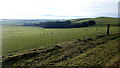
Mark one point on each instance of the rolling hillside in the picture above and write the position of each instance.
(88, 46)
(99, 20)
(101, 50)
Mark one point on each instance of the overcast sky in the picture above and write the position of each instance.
(51, 9)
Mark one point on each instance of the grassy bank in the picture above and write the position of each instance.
(100, 50)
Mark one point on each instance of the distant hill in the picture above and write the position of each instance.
(25, 21)
(76, 23)
(99, 20)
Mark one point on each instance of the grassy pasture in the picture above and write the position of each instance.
(21, 38)
(100, 50)
(88, 46)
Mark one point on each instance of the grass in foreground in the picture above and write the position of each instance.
(101, 50)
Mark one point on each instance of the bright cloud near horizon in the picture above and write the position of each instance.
(53, 9)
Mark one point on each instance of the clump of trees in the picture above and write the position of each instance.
(56, 24)
(66, 24)
(62, 24)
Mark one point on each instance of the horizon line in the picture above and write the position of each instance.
(64, 17)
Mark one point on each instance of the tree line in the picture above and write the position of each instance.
(63, 24)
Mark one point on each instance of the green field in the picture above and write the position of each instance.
(21, 38)
(100, 50)
(30, 36)
(35, 46)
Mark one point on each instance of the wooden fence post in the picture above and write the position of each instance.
(108, 29)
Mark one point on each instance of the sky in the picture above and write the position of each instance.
(57, 9)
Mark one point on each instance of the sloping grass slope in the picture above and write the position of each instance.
(91, 51)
